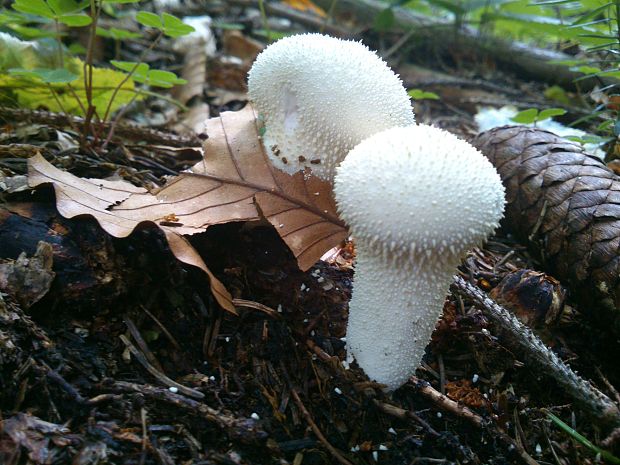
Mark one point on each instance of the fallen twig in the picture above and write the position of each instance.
(191, 406)
(453, 407)
(162, 378)
(600, 407)
(315, 429)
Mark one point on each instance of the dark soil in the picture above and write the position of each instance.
(266, 386)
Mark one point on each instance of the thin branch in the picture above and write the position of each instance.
(600, 407)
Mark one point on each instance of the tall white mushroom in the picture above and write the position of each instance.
(416, 199)
(319, 97)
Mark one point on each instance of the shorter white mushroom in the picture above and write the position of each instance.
(416, 199)
(319, 97)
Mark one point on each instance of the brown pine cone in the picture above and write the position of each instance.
(565, 204)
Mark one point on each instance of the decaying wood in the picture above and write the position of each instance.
(521, 339)
(565, 204)
(528, 60)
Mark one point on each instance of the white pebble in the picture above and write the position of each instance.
(337, 391)
(375, 455)
(475, 378)
(255, 416)
(392, 430)
(383, 447)
(439, 415)
(538, 449)
(302, 287)
(173, 389)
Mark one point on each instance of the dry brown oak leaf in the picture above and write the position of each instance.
(565, 204)
(234, 182)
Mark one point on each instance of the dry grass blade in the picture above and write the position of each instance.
(234, 182)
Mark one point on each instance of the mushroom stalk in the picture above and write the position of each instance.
(387, 332)
(416, 200)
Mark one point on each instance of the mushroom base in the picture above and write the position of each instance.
(388, 331)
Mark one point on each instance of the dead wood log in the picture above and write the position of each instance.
(88, 271)
(565, 204)
(528, 60)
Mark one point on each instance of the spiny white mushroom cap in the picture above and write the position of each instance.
(319, 97)
(419, 193)
(416, 199)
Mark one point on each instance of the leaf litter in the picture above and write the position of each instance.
(234, 182)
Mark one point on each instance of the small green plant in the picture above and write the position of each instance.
(419, 94)
(534, 115)
(72, 85)
(603, 454)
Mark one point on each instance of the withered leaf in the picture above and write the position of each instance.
(300, 207)
(234, 182)
(76, 196)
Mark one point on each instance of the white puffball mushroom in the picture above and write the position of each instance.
(319, 97)
(416, 200)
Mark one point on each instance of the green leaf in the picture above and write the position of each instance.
(557, 94)
(549, 113)
(567, 62)
(49, 76)
(38, 94)
(139, 70)
(18, 53)
(174, 27)
(151, 77)
(384, 21)
(77, 49)
(64, 7)
(65, 11)
(526, 116)
(120, 1)
(149, 19)
(586, 69)
(117, 34)
(75, 20)
(8, 17)
(34, 7)
(32, 32)
(419, 94)
(605, 126)
(165, 79)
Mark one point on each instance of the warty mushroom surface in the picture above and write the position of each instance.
(319, 97)
(416, 199)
